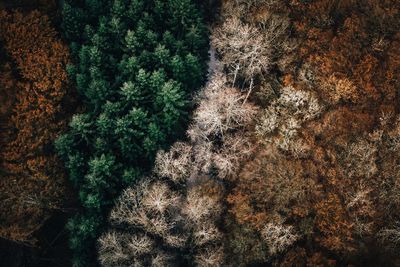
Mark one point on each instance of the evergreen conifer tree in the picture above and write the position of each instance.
(136, 64)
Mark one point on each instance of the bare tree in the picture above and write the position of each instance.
(174, 164)
(278, 237)
(205, 233)
(154, 219)
(159, 197)
(200, 207)
(221, 112)
(111, 252)
(128, 208)
(360, 159)
(161, 259)
(210, 257)
(281, 121)
(203, 154)
(242, 47)
(147, 206)
(140, 244)
(288, 111)
(222, 109)
(257, 3)
(235, 149)
(248, 49)
(362, 209)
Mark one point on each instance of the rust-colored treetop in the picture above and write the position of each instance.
(322, 187)
(33, 180)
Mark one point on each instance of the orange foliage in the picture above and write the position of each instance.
(7, 83)
(33, 181)
(339, 124)
(331, 221)
(354, 48)
(271, 187)
(348, 54)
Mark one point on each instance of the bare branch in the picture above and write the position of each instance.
(278, 237)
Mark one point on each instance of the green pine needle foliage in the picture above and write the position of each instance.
(137, 64)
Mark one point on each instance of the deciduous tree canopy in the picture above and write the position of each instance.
(33, 180)
(290, 157)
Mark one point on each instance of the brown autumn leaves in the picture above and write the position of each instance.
(325, 171)
(293, 150)
(33, 84)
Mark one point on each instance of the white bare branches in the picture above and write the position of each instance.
(174, 164)
(159, 198)
(199, 207)
(233, 151)
(140, 244)
(222, 112)
(203, 155)
(256, 3)
(220, 118)
(221, 109)
(145, 211)
(210, 257)
(111, 252)
(282, 119)
(149, 206)
(278, 237)
(152, 212)
(251, 49)
(360, 159)
(161, 259)
(206, 233)
(288, 111)
(202, 210)
(128, 209)
(243, 47)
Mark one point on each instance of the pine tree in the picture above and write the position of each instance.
(136, 65)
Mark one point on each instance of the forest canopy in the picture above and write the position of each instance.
(136, 66)
(34, 89)
(200, 133)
